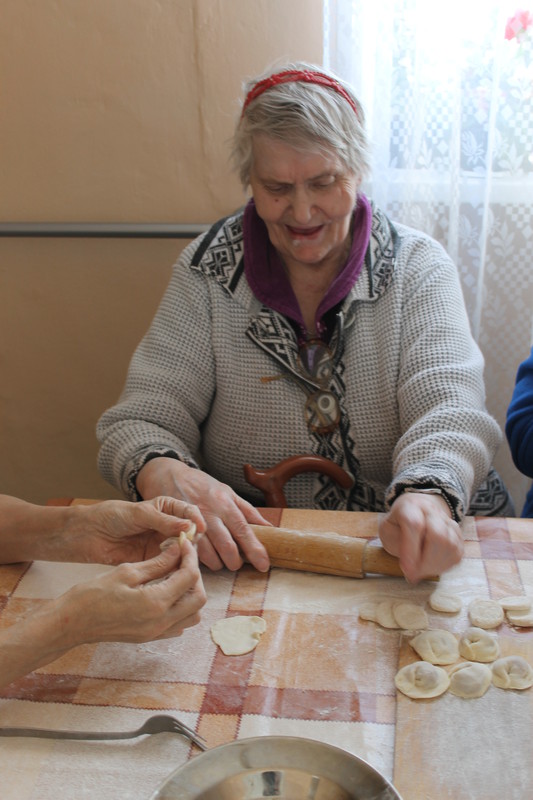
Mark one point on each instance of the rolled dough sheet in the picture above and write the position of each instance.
(238, 635)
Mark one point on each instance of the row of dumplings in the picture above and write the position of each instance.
(471, 678)
(468, 679)
(483, 613)
(439, 648)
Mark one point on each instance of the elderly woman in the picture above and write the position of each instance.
(309, 323)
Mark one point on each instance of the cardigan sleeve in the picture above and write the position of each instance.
(519, 424)
(168, 388)
(448, 438)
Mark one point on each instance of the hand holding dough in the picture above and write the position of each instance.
(189, 534)
(238, 635)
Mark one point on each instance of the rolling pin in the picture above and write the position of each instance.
(326, 553)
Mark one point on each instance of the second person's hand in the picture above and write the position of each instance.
(140, 602)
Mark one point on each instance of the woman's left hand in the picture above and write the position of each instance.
(420, 531)
(118, 531)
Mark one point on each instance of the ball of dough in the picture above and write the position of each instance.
(444, 602)
(485, 613)
(470, 679)
(422, 680)
(436, 646)
(477, 644)
(409, 616)
(512, 672)
(515, 603)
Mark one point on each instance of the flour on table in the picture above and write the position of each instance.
(436, 646)
(422, 680)
(470, 679)
(485, 613)
(477, 644)
(238, 635)
(512, 672)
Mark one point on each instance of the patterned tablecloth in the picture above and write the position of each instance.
(318, 672)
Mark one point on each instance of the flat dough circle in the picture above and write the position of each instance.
(421, 680)
(485, 613)
(409, 616)
(512, 672)
(515, 603)
(470, 679)
(436, 646)
(238, 635)
(368, 611)
(445, 602)
(384, 614)
(522, 619)
(477, 644)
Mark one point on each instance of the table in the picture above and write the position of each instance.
(318, 672)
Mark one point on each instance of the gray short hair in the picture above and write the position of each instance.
(305, 115)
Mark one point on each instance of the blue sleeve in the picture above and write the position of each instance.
(519, 424)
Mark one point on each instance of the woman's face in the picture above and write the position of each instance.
(306, 201)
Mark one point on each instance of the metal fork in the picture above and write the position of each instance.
(159, 723)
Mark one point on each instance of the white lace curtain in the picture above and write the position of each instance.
(449, 106)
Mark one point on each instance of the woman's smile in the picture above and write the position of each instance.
(303, 234)
(306, 200)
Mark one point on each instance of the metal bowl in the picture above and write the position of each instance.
(285, 767)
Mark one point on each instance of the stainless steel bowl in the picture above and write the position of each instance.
(285, 767)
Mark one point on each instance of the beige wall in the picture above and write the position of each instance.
(111, 111)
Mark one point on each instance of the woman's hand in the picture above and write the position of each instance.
(115, 531)
(229, 538)
(419, 530)
(155, 599)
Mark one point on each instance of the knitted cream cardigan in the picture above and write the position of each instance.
(408, 376)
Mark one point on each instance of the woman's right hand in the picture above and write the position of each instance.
(154, 599)
(228, 538)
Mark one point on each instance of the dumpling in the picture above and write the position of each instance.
(477, 644)
(422, 680)
(436, 646)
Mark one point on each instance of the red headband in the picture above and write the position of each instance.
(293, 76)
